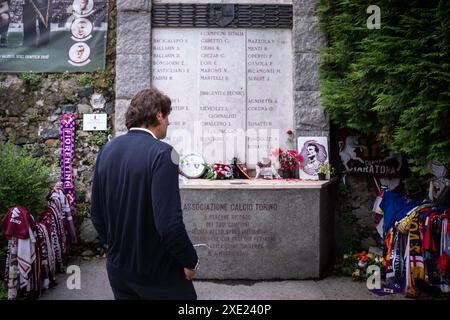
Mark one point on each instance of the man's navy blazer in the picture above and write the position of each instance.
(136, 209)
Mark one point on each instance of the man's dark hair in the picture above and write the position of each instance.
(144, 106)
(315, 146)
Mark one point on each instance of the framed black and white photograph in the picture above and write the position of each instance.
(314, 151)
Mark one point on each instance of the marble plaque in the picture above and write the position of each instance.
(269, 88)
(231, 89)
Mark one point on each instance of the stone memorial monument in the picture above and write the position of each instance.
(240, 74)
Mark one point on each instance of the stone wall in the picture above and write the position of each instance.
(133, 51)
(310, 117)
(29, 116)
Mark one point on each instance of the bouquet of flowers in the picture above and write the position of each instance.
(289, 159)
(218, 171)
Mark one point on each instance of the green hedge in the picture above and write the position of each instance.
(393, 82)
(25, 181)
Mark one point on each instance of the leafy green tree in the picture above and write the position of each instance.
(393, 82)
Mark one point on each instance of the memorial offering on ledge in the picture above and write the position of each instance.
(289, 161)
(218, 171)
(266, 170)
(314, 151)
(192, 165)
(325, 171)
(240, 171)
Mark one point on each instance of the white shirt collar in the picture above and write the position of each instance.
(143, 129)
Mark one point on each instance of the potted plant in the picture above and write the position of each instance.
(325, 169)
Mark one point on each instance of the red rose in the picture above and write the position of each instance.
(299, 158)
(289, 132)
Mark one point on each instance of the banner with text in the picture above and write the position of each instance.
(53, 35)
(365, 155)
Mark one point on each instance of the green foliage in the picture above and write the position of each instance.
(85, 79)
(98, 138)
(326, 168)
(56, 76)
(30, 78)
(107, 76)
(3, 76)
(32, 117)
(113, 41)
(3, 292)
(347, 264)
(66, 75)
(25, 181)
(394, 81)
(209, 172)
(87, 161)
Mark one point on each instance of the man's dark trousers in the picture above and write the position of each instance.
(126, 290)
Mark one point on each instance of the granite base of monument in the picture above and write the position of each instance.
(260, 229)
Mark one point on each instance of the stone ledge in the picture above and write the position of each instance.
(255, 184)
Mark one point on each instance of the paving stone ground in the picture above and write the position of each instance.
(95, 286)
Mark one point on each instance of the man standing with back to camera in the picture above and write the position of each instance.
(136, 207)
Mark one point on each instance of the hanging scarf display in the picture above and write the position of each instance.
(417, 249)
(444, 260)
(415, 269)
(23, 257)
(47, 257)
(394, 262)
(67, 137)
(37, 251)
(390, 247)
(58, 200)
(56, 235)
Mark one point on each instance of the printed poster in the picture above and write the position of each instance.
(53, 35)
